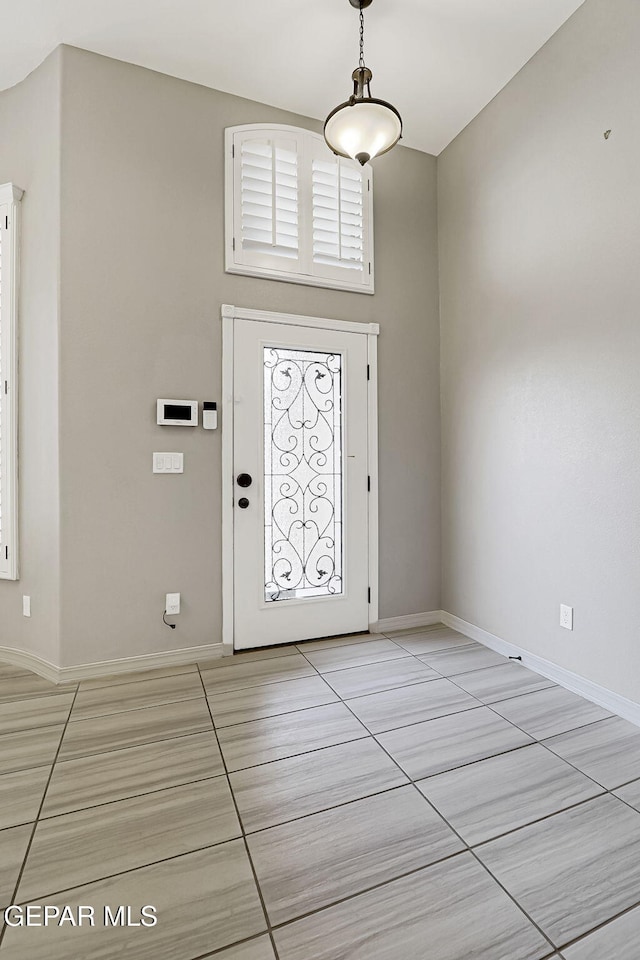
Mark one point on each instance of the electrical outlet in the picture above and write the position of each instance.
(566, 617)
(26, 606)
(172, 604)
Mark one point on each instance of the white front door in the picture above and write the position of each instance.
(300, 468)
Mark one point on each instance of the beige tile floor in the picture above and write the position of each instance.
(389, 798)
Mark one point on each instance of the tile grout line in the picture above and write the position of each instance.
(600, 926)
(131, 746)
(402, 655)
(400, 686)
(335, 806)
(37, 817)
(242, 829)
(128, 870)
(104, 753)
(366, 735)
(469, 850)
(261, 683)
(531, 823)
(181, 670)
(274, 716)
(37, 696)
(376, 886)
(420, 683)
(148, 706)
(131, 796)
(531, 693)
(231, 946)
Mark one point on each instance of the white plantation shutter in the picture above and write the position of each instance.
(9, 211)
(296, 212)
(268, 198)
(338, 197)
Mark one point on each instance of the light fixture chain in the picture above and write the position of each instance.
(361, 35)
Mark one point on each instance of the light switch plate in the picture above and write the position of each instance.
(26, 606)
(168, 463)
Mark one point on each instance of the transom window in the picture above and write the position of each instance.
(295, 211)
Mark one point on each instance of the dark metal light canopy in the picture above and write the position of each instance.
(363, 127)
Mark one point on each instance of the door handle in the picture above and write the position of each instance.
(244, 480)
(243, 503)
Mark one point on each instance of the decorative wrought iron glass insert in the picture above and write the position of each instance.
(302, 474)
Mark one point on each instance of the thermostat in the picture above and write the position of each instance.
(178, 413)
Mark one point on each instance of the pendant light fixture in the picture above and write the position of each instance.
(363, 127)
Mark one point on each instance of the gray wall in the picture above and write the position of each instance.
(540, 297)
(30, 157)
(142, 284)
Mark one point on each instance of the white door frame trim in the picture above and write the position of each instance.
(10, 199)
(370, 330)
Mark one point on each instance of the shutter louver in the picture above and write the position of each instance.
(338, 218)
(269, 198)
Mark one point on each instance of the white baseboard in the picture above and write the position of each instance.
(405, 623)
(104, 668)
(621, 706)
(30, 661)
(617, 704)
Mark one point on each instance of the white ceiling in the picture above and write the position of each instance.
(439, 61)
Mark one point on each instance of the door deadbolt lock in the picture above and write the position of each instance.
(244, 480)
(243, 503)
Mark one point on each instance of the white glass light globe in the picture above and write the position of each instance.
(363, 130)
